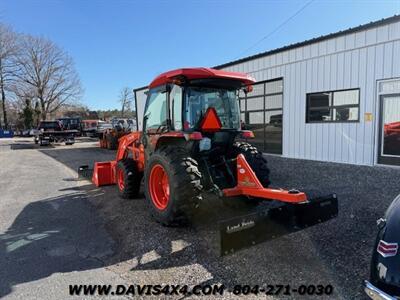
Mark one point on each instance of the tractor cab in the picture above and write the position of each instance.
(194, 104)
(198, 98)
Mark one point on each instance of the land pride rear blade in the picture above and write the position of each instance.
(244, 231)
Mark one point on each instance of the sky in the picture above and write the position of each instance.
(126, 43)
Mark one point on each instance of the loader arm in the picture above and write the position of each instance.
(104, 173)
(130, 143)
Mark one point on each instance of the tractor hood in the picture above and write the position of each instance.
(385, 266)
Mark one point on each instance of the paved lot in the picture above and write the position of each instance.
(55, 230)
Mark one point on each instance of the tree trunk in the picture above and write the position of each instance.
(123, 110)
(3, 98)
(43, 112)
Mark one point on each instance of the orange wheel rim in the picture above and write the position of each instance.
(159, 187)
(120, 179)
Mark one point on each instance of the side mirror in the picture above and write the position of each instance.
(248, 89)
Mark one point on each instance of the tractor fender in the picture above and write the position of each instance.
(171, 138)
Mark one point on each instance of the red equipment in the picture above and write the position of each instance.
(392, 128)
(189, 146)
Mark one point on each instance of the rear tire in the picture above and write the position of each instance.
(183, 187)
(255, 159)
(259, 165)
(128, 178)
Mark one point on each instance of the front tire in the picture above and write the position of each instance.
(128, 178)
(172, 185)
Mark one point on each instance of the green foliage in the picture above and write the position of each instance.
(28, 114)
(108, 114)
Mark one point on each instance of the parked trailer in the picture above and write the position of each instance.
(52, 131)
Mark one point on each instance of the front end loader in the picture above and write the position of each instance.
(192, 144)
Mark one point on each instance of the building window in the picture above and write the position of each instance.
(261, 112)
(334, 106)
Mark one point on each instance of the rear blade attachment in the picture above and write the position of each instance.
(84, 172)
(244, 231)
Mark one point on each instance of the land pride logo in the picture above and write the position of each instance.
(247, 182)
(240, 226)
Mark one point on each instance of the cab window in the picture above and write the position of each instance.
(156, 109)
(176, 103)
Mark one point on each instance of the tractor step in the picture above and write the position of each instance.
(244, 231)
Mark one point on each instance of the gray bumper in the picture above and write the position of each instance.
(375, 293)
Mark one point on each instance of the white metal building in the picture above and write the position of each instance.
(334, 98)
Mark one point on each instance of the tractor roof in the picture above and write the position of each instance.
(200, 73)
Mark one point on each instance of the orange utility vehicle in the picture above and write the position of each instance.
(191, 144)
(110, 136)
(108, 139)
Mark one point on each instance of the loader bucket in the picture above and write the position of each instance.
(244, 231)
(104, 173)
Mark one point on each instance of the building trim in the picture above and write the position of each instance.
(363, 27)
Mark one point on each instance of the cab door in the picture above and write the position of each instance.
(155, 120)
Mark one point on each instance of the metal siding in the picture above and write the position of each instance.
(396, 57)
(383, 33)
(369, 106)
(307, 127)
(388, 61)
(297, 109)
(332, 129)
(362, 73)
(301, 112)
(356, 60)
(371, 36)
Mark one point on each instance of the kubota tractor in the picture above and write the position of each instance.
(191, 144)
(108, 139)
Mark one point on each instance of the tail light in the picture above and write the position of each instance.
(194, 136)
(247, 134)
(387, 249)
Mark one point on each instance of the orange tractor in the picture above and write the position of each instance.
(109, 137)
(192, 143)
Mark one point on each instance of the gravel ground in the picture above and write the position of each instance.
(336, 252)
(50, 235)
(364, 193)
(143, 252)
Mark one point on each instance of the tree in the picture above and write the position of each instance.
(8, 65)
(27, 114)
(36, 114)
(125, 99)
(50, 72)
